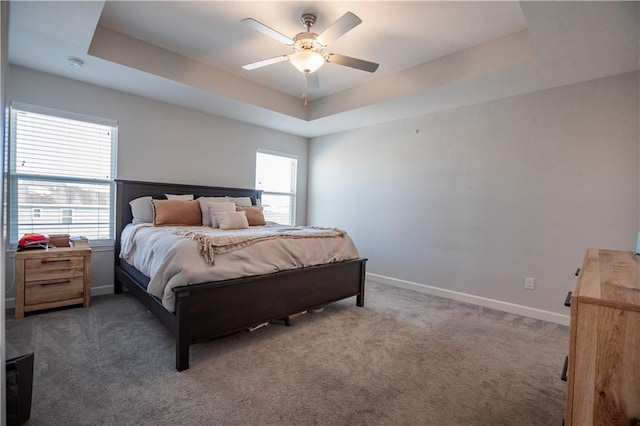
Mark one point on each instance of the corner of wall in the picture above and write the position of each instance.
(4, 67)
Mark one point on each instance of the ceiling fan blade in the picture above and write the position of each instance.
(312, 80)
(348, 61)
(259, 26)
(265, 62)
(343, 25)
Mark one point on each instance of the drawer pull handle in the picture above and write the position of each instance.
(54, 260)
(577, 272)
(567, 301)
(56, 283)
(563, 376)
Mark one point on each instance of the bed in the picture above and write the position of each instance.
(214, 309)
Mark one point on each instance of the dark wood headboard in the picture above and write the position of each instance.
(127, 190)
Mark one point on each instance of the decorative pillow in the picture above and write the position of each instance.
(215, 208)
(179, 197)
(255, 217)
(232, 220)
(241, 201)
(176, 213)
(141, 210)
(204, 207)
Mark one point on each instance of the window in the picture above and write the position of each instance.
(61, 171)
(276, 176)
(66, 215)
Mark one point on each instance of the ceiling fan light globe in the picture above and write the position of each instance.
(306, 61)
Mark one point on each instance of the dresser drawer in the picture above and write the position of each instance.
(53, 290)
(53, 268)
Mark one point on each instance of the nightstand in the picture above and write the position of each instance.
(52, 278)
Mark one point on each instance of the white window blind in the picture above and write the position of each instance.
(276, 176)
(62, 168)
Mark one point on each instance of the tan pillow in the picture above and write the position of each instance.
(255, 217)
(215, 208)
(176, 213)
(204, 207)
(232, 220)
(241, 201)
(179, 197)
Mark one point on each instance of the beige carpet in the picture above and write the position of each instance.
(404, 359)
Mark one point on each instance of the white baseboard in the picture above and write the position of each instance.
(102, 290)
(475, 300)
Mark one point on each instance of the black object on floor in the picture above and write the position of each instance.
(19, 389)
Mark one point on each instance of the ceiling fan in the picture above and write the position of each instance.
(307, 46)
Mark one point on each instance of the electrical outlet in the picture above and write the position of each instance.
(530, 283)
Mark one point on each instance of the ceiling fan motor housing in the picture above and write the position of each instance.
(307, 41)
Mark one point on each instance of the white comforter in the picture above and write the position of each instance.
(172, 260)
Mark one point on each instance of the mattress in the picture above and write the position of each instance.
(171, 257)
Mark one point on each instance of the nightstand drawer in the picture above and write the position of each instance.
(52, 290)
(53, 268)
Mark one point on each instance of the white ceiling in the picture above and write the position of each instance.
(410, 34)
(432, 55)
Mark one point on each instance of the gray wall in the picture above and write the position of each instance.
(161, 142)
(469, 200)
(474, 199)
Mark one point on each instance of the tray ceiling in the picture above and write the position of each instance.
(432, 55)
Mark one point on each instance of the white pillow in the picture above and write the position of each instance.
(186, 197)
(232, 220)
(204, 207)
(215, 208)
(141, 210)
(241, 201)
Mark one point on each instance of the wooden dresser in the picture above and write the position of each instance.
(52, 278)
(604, 341)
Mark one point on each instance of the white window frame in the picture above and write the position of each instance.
(293, 195)
(14, 176)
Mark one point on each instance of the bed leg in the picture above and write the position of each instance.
(287, 321)
(360, 296)
(117, 285)
(182, 332)
(182, 356)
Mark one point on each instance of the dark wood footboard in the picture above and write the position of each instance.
(209, 310)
